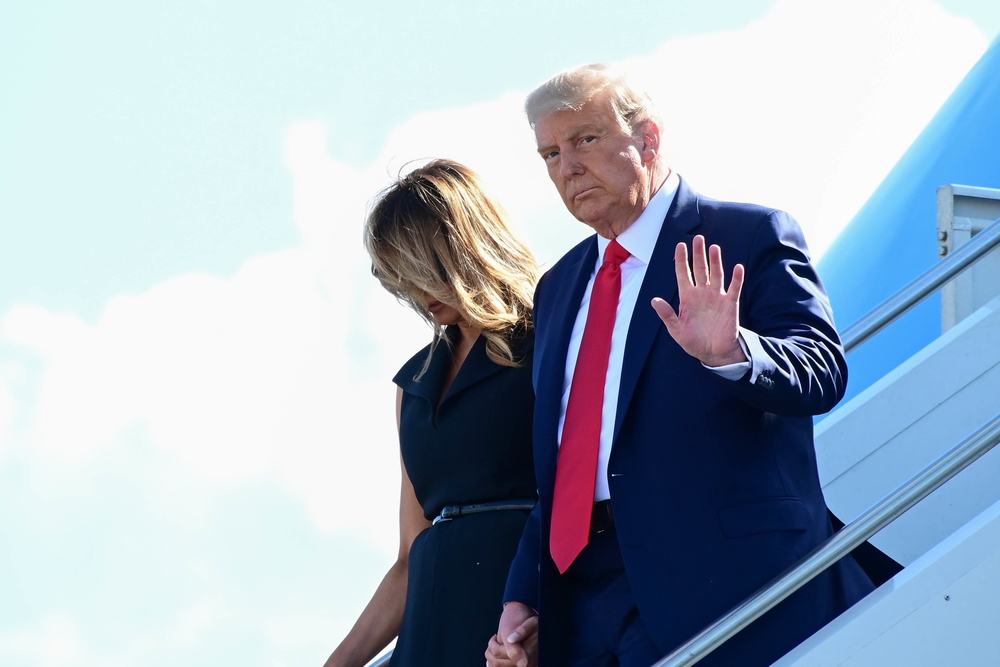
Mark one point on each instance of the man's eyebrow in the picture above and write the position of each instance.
(577, 132)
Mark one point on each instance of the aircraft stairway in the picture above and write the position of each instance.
(943, 607)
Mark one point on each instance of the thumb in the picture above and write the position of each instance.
(518, 633)
(664, 310)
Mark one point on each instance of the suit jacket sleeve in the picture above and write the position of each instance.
(798, 362)
(522, 581)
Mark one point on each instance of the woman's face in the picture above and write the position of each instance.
(443, 314)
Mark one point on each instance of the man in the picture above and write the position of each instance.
(706, 485)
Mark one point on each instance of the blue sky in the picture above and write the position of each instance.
(197, 458)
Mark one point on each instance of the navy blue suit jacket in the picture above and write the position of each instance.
(713, 482)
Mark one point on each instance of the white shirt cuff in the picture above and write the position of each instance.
(734, 371)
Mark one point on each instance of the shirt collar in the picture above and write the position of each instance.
(640, 237)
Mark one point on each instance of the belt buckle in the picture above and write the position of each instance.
(448, 512)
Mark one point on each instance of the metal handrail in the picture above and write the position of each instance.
(900, 302)
(839, 545)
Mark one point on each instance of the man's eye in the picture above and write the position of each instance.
(550, 155)
(589, 140)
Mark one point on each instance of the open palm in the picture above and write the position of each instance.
(706, 323)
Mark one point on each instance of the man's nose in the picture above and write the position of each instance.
(569, 165)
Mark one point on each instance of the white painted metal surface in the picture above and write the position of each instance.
(941, 610)
(963, 212)
(906, 420)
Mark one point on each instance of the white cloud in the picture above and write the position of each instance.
(808, 108)
(70, 376)
(239, 379)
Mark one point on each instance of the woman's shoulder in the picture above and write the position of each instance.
(407, 373)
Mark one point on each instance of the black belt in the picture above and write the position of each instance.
(449, 512)
(601, 518)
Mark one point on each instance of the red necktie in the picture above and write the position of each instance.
(576, 469)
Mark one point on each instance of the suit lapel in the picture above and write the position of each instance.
(555, 319)
(661, 280)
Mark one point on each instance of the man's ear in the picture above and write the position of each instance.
(649, 134)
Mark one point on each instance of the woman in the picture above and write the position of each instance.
(464, 404)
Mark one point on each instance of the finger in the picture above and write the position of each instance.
(519, 633)
(526, 630)
(497, 656)
(699, 261)
(717, 274)
(495, 650)
(736, 286)
(664, 310)
(681, 267)
(516, 654)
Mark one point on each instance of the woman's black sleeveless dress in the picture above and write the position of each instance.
(473, 447)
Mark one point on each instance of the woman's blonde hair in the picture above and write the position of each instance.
(437, 231)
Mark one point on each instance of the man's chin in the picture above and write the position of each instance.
(589, 217)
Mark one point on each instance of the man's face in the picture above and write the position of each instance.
(601, 172)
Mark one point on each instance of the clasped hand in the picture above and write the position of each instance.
(516, 641)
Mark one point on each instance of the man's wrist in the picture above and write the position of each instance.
(526, 606)
(734, 366)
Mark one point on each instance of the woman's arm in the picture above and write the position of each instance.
(379, 623)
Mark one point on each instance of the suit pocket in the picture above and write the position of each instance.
(764, 516)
